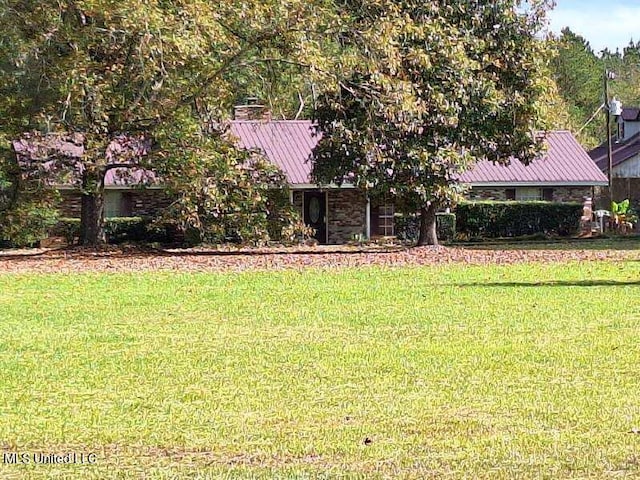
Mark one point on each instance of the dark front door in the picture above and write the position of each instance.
(315, 213)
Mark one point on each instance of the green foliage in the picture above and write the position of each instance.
(623, 213)
(141, 68)
(514, 219)
(224, 194)
(456, 371)
(438, 86)
(120, 230)
(408, 226)
(27, 223)
(578, 72)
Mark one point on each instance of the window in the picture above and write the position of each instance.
(510, 193)
(113, 204)
(386, 224)
(547, 194)
(528, 194)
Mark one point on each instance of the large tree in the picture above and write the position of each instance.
(99, 73)
(436, 87)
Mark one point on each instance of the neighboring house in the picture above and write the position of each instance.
(564, 174)
(625, 156)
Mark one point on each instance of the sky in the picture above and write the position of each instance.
(604, 23)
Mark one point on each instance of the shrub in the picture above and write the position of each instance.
(119, 230)
(408, 227)
(26, 224)
(514, 219)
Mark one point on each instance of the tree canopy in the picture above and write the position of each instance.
(103, 70)
(438, 85)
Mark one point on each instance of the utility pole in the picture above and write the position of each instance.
(607, 110)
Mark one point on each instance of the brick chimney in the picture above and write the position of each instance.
(252, 110)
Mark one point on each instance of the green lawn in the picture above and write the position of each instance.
(526, 371)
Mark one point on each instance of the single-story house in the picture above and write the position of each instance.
(625, 156)
(564, 174)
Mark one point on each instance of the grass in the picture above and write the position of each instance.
(525, 371)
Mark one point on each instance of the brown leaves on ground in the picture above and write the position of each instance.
(112, 259)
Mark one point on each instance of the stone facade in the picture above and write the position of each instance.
(560, 194)
(347, 214)
(486, 194)
(135, 203)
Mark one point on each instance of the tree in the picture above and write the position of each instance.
(103, 73)
(436, 87)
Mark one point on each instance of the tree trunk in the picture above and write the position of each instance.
(92, 212)
(428, 234)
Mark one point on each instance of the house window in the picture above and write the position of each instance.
(386, 224)
(113, 204)
(528, 194)
(547, 194)
(510, 193)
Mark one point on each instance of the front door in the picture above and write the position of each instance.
(315, 213)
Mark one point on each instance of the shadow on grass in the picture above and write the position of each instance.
(553, 283)
(615, 243)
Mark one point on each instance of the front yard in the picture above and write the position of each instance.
(527, 370)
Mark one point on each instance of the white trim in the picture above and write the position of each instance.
(290, 196)
(367, 220)
(537, 184)
(326, 217)
(313, 186)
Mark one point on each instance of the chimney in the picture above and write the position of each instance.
(252, 110)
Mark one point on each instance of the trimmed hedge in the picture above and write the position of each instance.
(408, 227)
(515, 219)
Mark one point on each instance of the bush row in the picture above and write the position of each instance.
(514, 219)
(119, 230)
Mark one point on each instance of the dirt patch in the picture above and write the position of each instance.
(234, 260)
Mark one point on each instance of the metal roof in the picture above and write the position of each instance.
(286, 143)
(630, 114)
(565, 162)
(620, 151)
(289, 145)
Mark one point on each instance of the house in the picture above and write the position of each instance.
(340, 213)
(625, 156)
(564, 174)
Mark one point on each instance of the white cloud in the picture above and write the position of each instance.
(611, 26)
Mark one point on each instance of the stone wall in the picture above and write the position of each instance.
(147, 202)
(486, 194)
(560, 194)
(137, 203)
(346, 216)
(572, 194)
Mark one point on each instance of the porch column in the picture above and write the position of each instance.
(367, 220)
(291, 196)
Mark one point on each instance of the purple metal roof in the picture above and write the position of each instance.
(286, 143)
(564, 162)
(630, 114)
(289, 144)
(620, 151)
